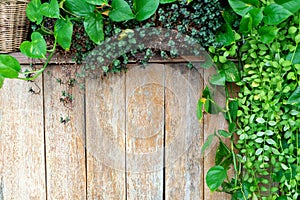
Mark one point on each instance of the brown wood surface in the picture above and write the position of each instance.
(132, 135)
(22, 161)
(145, 131)
(105, 139)
(184, 134)
(65, 143)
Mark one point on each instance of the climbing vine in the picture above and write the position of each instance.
(263, 37)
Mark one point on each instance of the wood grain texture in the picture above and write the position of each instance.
(22, 161)
(212, 123)
(145, 131)
(184, 134)
(65, 149)
(105, 117)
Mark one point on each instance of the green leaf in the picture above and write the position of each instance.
(295, 97)
(93, 25)
(233, 109)
(242, 7)
(97, 2)
(258, 151)
(33, 11)
(246, 24)
(270, 141)
(218, 79)
(257, 16)
(275, 14)
(231, 71)
(50, 9)
(121, 11)
(144, 9)
(199, 110)
(259, 140)
(224, 134)
(1, 81)
(290, 5)
(63, 30)
(9, 67)
(215, 177)
(232, 127)
(79, 7)
(37, 48)
(166, 1)
(225, 35)
(207, 143)
(296, 58)
(223, 156)
(268, 34)
(260, 120)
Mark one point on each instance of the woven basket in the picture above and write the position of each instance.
(13, 24)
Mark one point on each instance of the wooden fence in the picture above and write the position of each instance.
(132, 135)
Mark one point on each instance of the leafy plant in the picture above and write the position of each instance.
(265, 45)
(65, 13)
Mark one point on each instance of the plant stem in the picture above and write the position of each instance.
(39, 72)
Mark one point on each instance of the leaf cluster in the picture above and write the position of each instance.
(260, 53)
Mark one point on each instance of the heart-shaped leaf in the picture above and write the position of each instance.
(144, 9)
(215, 177)
(93, 25)
(121, 11)
(37, 48)
(63, 30)
(97, 2)
(9, 67)
(275, 14)
(33, 11)
(268, 34)
(231, 71)
(242, 7)
(51, 9)
(79, 7)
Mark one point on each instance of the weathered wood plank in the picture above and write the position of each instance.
(145, 131)
(212, 123)
(184, 134)
(22, 161)
(65, 149)
(105, 117)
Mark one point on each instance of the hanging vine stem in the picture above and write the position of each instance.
(40, 71)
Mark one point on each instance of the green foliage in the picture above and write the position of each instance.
(37, 48)
(121, 11)
(63, 30)
(93, 24)
(267, 121)
(66, 13)
(215, 177)
(144, 9)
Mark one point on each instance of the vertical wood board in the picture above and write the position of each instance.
(105, 117)
(65, 142)
(22, 161)
(184, 134)
(145, 131)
